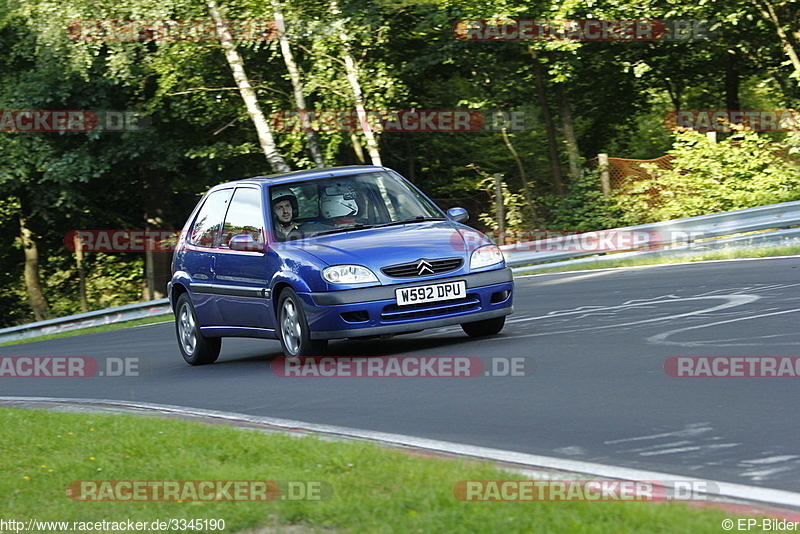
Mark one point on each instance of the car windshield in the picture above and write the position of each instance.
(339, 204)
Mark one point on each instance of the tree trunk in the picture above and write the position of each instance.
(411, 172)
(236, 63)
(357, 148)
(732, 80)
(675, 91)
(500, 208)
(157, 263)
(573, 152)
(297, 86)
(552, 143)
(351, 72)
(768, 12)
(81, 274)
(526, 190)
(33, 283)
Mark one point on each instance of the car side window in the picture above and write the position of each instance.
(207, 224)
(245, 216)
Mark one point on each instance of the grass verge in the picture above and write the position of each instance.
(373, 489)
(759, 252)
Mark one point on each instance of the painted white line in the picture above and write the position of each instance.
(661, 338)
(726, 489)
(152, 324)
(771, 459)
(693, 429)
(676, 450)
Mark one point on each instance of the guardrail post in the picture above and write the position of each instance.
(605, 179)
(500, 208)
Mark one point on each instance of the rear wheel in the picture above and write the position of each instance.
(195, 348)
(293, 329)
(487, 327)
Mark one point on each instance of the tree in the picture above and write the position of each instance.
(236, 64)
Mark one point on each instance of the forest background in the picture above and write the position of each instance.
(208, 104)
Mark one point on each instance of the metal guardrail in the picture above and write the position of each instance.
(662, 235)
(648, 239)
(778, 238)
(118, 314)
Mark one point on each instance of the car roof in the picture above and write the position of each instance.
(297, 176)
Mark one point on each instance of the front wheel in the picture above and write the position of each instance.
(195, 348)
(487, 327)
(293, 329)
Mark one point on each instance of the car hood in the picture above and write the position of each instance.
(379, 247)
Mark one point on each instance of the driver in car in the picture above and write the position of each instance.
(285, 209)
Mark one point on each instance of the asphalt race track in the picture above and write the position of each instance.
(594, 343)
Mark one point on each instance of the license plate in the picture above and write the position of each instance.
(432, 293)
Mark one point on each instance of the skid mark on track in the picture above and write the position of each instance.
(759, 469)
(698, 445)
(730, 301)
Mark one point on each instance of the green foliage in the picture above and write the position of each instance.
(742, 171)
(514, 207)
(111, 280)
(583, 209)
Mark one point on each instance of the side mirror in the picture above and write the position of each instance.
(245, 242)
(458, 215)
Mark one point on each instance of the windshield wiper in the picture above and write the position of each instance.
(418, 218)
(356, 226)
(361, 226)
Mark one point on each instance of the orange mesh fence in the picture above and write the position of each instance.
(624, 171)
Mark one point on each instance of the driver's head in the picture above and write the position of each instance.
(285, 208)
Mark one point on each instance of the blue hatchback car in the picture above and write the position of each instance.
(347, 252)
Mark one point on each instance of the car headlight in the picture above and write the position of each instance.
(485, 256)
(348, 274)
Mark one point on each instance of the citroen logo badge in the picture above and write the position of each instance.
(423, 267)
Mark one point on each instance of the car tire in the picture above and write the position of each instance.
(487, 327)
(293, 330)
(195, 347)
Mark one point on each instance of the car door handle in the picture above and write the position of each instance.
(213, 264)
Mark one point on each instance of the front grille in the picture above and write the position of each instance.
(393, 312)
(405, 270)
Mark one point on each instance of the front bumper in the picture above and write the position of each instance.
(374, 311)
